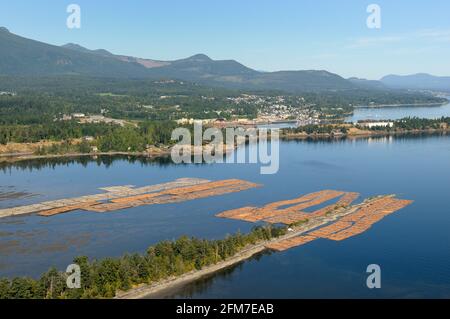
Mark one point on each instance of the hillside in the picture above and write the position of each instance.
(21, 56)
(420, 81)
(368, 84)
(24, 57)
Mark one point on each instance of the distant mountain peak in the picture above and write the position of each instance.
(200, 58)
(77, 47)
(418, 81)
(102, 51)
(74, 46)
(4, 29)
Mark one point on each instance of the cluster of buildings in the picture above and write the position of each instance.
(260, 100)
(374, 124)
(168, 82)
(6, 93)
(271, 109)
(277, 113)
(218, 122)
(280, 109)
(83, 118)
(191, 121)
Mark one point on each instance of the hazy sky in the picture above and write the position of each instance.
(262, 34)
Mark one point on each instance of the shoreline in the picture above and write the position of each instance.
(25, 156)
(400, 105)
(159, 153)
(361, 134)
(17, 157)
(156, 290)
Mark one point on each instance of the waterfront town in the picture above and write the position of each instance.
(290, 111)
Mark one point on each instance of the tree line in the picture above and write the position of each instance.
(405, 124)
(104, 278)
(108, 137)
(415, 123)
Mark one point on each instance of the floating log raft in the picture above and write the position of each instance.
(368, 216)
(291, 243)
(123, 197)
(275, 213)
(336, 221)
(66, 209)
(175, 195)
(326, 231)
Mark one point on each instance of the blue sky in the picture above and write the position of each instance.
(263, 34)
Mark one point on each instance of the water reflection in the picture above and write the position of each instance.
(166, 161)
(104, 160)
(202, 285)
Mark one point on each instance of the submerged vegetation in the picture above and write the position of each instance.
(104, 278)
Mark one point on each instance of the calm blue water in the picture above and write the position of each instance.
(399, 112)
(412, 246)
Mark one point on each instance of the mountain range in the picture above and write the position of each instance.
(420, 81)
(20, 56)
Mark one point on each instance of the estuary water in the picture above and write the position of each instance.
(411, 246)
(399, 112)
